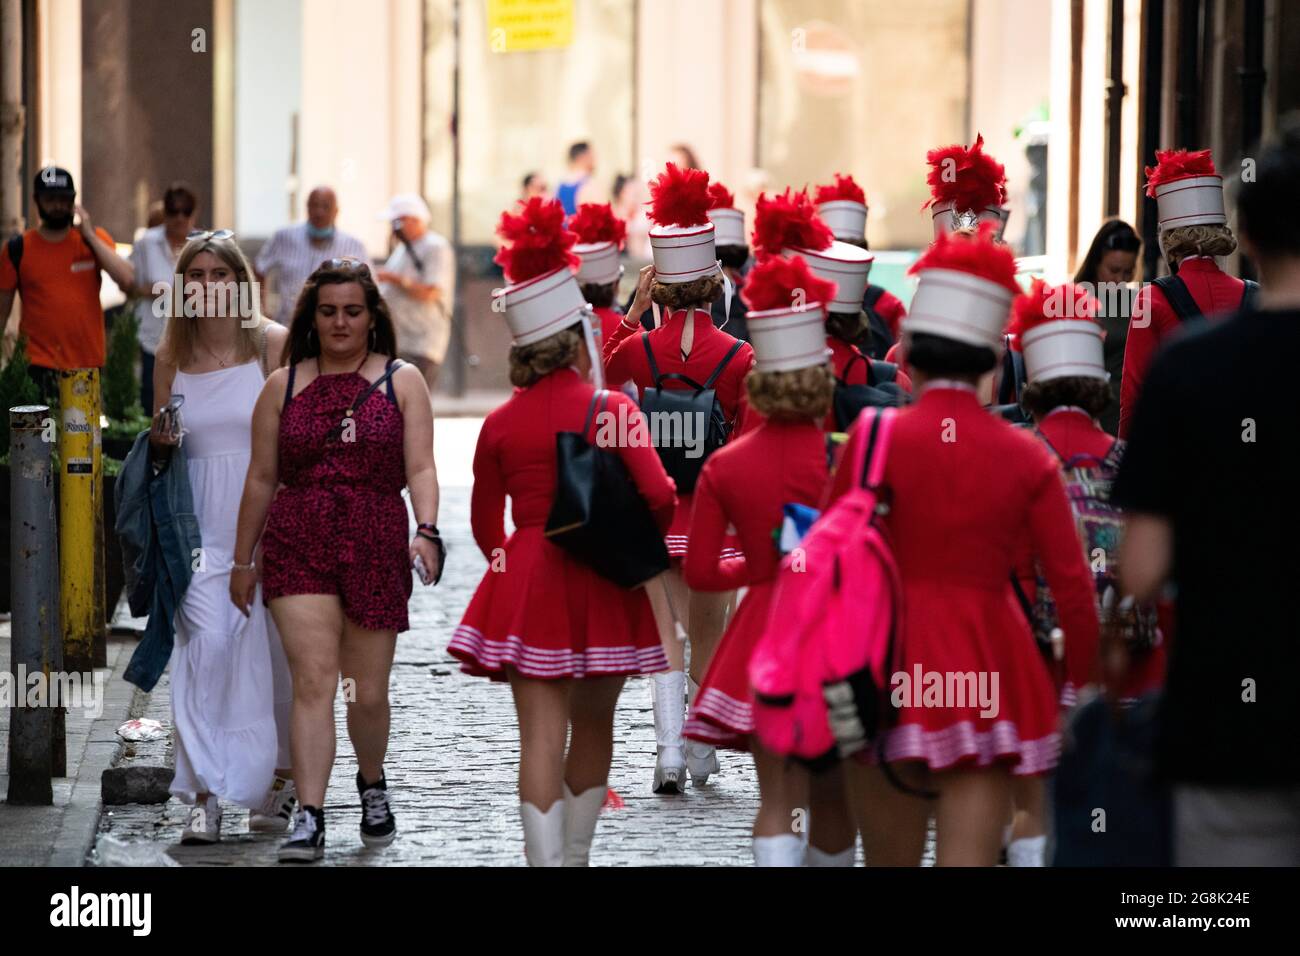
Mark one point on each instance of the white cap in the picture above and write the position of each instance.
(406, 204)
(941, 217)
(844, 264)
(730, 226)
(1061, 348)
(543, 305)
(1191, 201)
(683, 253)
(600, 263)
(959, 306)
(846, 218)
(788, 338)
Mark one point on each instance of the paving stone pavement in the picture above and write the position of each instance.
(452, 760)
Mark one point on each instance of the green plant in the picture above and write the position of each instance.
(127, 427)
(121, 387)
(16, 388)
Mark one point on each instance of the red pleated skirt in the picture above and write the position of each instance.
(723, 712)
(678, 535)
(551, 617)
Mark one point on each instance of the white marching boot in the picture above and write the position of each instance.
(701, 758)
(1027, 851)
(580, 815)
(543, 834)
(816, 857)
(784, 850)
(668, 693)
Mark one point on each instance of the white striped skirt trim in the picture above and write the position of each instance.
(470, 645)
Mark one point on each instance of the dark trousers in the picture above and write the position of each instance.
(146, 382)
(47, 380)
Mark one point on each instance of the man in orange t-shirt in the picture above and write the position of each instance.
(57, 276)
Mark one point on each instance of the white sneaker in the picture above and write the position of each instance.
(204, 825)
(275, 815)
(668, 692)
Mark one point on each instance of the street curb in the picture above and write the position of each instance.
(80, 822)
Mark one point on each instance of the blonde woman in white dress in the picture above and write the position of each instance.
(230, 685)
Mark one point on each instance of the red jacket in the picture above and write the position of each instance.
(609, 320)
(515, 456)
(891, 309)
(1154, 320)
(747, 484)
(966, 490)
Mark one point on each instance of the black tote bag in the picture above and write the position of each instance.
(598, 516)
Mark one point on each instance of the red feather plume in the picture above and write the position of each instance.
(538, 241)
(777, 283)
(976, 255)
(969, 177)
(788, 221)
(680, 197)
(845, 187)
(596, 222)
(720, 197)
(1174, 164)
(1045, 303)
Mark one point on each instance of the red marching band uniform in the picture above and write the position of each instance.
(1188, 192)
(747, 484)
(537, 610)
(965, 488)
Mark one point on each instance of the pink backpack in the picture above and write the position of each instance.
(820, 672)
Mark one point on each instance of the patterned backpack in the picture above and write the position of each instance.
(1100, 526)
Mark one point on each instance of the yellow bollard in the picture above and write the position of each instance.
(80, 491)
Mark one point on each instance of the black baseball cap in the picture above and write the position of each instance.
(53, 180)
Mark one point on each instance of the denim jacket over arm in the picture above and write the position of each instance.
(159, 536)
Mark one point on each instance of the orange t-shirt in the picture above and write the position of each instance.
(59, 288)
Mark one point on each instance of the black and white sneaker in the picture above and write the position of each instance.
(378, 828)
(307, 842)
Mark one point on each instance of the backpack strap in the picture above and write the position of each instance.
(881, 373)
(600, 396)
(871, 467)
(874, 292)
(731, 353)
(650, 357)
(1178, 297)
(1248, 295)
(844, 379)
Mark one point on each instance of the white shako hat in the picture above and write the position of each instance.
(729, 226)
(967, 187)
(843, 207)
(1187, 189)
(956, 295)
(1056, 331)
(682, 241)
(543, 296)
(600, 239)
(787, 315)
(788, 225)
(846, 265)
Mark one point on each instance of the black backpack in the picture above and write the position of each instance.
(1180, 298)
(877, 339)
(880, 391)
(668, 412)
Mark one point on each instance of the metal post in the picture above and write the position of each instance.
(34, 635)
(12, 117)
(79, 487)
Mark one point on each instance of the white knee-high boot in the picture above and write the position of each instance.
(543, 834)
(1027, 851)
(581, 812)
(816, 857)
(784, 850)
(668, 691)
(701, 758)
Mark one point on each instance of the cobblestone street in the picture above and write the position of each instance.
(453, 756)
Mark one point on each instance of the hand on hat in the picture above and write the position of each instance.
(641, 301)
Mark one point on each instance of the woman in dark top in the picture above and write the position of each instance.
(1112, 262)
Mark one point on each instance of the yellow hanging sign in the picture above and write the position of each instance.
(516, 25)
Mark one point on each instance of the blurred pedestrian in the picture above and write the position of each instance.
(153, 258)
(683, 156)
(418, 282)
(230, 683)
(534, 184)
(294, 252)
(628, 203)
(1107, 271)
(340, 430)
(576, 187)
(55, 268)
(1221, 533)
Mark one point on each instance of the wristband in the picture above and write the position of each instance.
(236, 566)
(428, 526)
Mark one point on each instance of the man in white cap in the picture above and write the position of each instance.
(417, 282)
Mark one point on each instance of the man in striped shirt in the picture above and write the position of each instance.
(295, 252)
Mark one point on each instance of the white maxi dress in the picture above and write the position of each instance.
(230, 683)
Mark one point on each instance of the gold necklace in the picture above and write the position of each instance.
(220, 361)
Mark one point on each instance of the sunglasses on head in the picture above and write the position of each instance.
(210, 234)
(346, 264)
